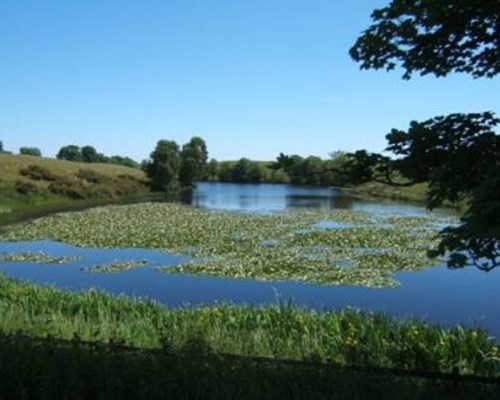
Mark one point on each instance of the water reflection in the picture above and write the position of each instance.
(280, 197)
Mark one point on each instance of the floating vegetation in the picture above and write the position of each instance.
(282, 330)
(291, 246)
(38, 257)
(116, 266)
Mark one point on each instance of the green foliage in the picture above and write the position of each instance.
(30, 151)
(48, 368)
(163, 167)
(194, 156)
(90, 155)
(125, 161)
(70, 153)
(458, 154)
(433, 37)
(282, 331)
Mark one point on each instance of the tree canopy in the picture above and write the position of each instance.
(194, 156)
(433, 37)
(457, 154)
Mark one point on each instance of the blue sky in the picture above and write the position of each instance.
(252, 77)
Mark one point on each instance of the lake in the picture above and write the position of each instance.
(466, 296)
(279, 197)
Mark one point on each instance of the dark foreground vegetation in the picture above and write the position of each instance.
(56, 344)
(53, 369)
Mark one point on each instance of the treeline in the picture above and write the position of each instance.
(89, 154)
(340, 169)
(28, 151)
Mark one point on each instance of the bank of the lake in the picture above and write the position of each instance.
(31, 186)
(283, 330)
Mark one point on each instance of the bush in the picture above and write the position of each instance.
(26, 187)
(92, 176)
(30, 151)
(38, 173)
(69, 188)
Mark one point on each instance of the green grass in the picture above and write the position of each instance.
(51, 369)
(364, 250)
(416, 193)
(281, 331)
(34, 183)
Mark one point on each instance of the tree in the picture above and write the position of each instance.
(163, 167)
(194, 156)
(125, 161)
(70, 153)
(89, 154)
(1, 146)
(30, 151)
(458, 154)
(246, 171)
(212, 170)
(433, 37)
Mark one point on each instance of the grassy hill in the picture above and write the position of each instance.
(27, 182)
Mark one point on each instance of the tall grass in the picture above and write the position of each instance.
(281, 331)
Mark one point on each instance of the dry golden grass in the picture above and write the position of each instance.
(67, 178)
(11, 165)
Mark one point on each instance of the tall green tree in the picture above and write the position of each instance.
(458, 154)
(70, 153)
(194, 156)
(163, 167)
(89, 154)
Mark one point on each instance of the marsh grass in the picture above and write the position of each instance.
(281, 331)
(235, 244)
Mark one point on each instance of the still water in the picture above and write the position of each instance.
(279, 197)
(466, 296)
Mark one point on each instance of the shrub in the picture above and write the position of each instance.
(92, 176)
(38, 173)
(26, 187)
(69, 188)
(30, 151)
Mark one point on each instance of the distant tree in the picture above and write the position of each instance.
(247, 171)
(1, 146)
(458, 154)
(70, 153)
(194, 156)
(89, 154)
(30, 151)
(163, 167)
(212, 170)
(125, 161)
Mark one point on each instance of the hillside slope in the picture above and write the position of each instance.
(27, 181)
